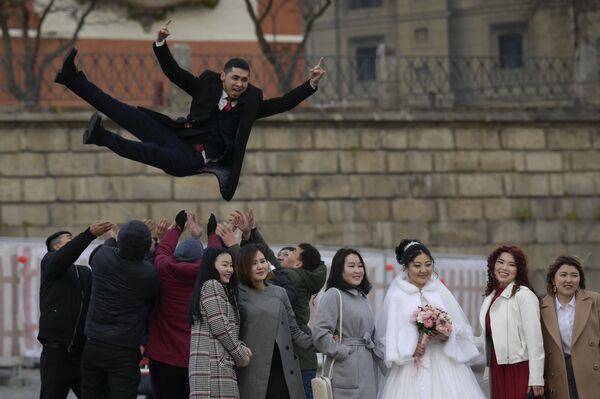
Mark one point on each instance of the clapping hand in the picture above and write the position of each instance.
(195, 229)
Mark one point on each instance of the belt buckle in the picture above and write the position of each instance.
(187, 125)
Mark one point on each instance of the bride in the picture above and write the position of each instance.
(442, 370)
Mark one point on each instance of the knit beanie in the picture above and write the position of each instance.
(134, 240)
(189, 250)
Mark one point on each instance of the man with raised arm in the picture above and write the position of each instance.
(212, 138)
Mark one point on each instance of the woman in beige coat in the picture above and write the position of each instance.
(571, 331)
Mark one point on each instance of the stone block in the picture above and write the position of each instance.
(580, 183)
(419, 161)
(45, 140)
(433, 185)
(283, 234)
(196, 188)
(311, 211)
(385, 186)
(480, 185)
(72, 164)
(496, 161)
(258, 136)
(461, 209)
(279, 211)
(412, 210)
(458, 233)
(225, 209)
(76, 143)
(543, 161)
(483, 138)
(395, 139)
(504, 208)
(276, 162)
(510, 231)
(283, 138)
(522, 138)
(543, 208)
(370, 161)
(251, 187)
(373, 139)
(168, 210)
(23, 164)
(336, 186)
(340, 211)
(587, 208)
(568, 138)
(344, 234)
(347, 161)
(10, 190)
(557, 184)
(112, 164)
(530, 185)
(316, 162)
(549, 231)
(332, 138)
(122, 212)
(396, 162)
(291, 187)
(520, 161)
(588, 232)
(372, 210)
(204, 208)
(94, 188)
(456, 161)
(62, 214)
(89, 213)
(25, 215)
(11, 140)
(431, 138)
(586, 161)
(388, 234)
(64, 188)
(39, 190)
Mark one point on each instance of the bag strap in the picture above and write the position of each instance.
(340, 331)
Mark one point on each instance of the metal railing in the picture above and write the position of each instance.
(388, 83)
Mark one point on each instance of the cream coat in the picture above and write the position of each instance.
(516, 330)
(585, 347)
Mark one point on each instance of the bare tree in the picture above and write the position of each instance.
(310, 9)
(35, 64)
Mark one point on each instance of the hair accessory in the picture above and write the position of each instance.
(410, 244)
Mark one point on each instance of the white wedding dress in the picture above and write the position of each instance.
(443, 372)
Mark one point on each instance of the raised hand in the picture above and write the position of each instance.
(162, 227)
(317, 72)
(240, 220)
(100, 227)
(113, 232)
(195, 228)
(151, 225)
(163, 32)
(228, 234)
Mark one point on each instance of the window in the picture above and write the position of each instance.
(510, 46)
(366, 63)
(364, 3)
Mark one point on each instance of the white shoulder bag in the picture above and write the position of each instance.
(321, 385)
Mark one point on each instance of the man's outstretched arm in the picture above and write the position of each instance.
(182, 78)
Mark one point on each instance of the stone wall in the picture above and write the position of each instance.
(463, 183)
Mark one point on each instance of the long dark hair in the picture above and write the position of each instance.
(336, 280)
(209, 272)
(522, 278)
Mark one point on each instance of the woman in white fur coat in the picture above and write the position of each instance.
(442, 371)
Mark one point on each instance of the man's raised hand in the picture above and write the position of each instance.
(100, 227)
(317, 72)
(163, 32)
(196, 229)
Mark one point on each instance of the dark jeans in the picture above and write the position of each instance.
(109, 371)
(307, 376)
(60, 372)
(159, 146)
(571, 378)
(169, 382)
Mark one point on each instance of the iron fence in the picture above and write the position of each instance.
(381, 82)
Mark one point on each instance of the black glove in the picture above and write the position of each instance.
(211, 226)
(180, 220)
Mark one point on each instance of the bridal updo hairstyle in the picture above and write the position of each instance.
(409, 249)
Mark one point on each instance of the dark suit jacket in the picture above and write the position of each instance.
(206, 90)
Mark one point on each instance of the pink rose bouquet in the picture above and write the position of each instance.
(431, 322)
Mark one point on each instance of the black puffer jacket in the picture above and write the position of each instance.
(65, 293)
(124, 286)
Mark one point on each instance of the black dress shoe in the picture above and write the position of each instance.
(68, 71)
(95, 132)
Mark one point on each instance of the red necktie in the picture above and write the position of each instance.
(228, 106)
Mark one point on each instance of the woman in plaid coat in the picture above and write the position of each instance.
(215, 349)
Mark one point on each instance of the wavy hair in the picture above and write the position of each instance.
(522, 278)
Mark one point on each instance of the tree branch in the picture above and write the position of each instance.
(14, 89)
(38, 35)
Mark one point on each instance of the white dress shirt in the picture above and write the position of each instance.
(223, 101)
(565, 315)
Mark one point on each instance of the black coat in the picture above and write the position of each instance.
(65, 293)
(206, 90)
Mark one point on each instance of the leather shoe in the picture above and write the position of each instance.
(68, 71)
(95, 132)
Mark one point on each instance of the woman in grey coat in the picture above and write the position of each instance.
(356, 356)
(269, 328)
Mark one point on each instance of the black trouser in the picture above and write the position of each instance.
(109, 371)
(159, 146)
(169, 381)
(571, 378)
(60, 372)
(277, 387)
